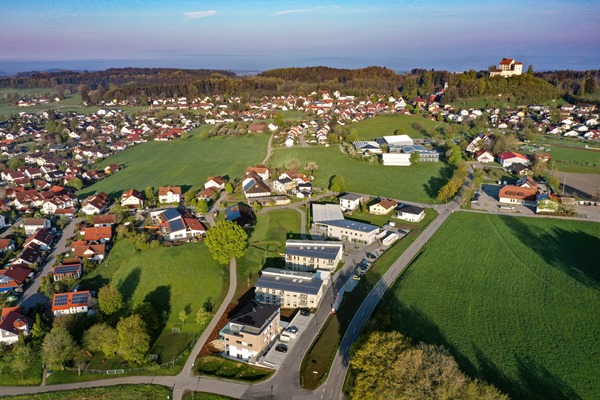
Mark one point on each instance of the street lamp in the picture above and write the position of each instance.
(315, 372)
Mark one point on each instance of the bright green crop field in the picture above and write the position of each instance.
(385, 125)
(515, 300)
(418, 183)
(181, 162)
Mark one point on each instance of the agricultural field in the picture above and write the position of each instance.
(173, 279)
(182, 162)
(418, 183)
(266, 244)
(514, 299)
(119, 392)
(385, 125)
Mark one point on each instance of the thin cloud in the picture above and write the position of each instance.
(285, 12)
(199, 14)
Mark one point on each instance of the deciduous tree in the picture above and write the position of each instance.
(101, 337)
(58, 348)
(337, 184)
(133, 339)
(110, 299)
(226, 240)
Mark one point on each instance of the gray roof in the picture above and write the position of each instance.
(351, 225)
(410, 209)
(313, 249)
(289, 281)
(254, 316)
(351, 196)
(326, 212)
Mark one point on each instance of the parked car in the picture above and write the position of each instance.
(305, 312)
(282, 348)
(292, 329)
(356, 277)
(371, 256)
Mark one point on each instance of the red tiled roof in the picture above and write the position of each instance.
(519, 193)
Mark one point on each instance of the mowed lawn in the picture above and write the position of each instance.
(418, 183)
(515, 300)
(173, 279)
(266, 244)
(385, 125)
(181, 162)
(119, 392)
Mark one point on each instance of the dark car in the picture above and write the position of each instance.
(371, 256)
(305, 312)
(292, 329)
(282, 348)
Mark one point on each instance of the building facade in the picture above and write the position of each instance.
(312, 254)
(291, 289)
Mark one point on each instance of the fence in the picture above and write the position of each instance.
(168, 364)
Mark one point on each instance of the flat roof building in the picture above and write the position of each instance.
(291, 289)
(313, 254)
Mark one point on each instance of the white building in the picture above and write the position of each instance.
(13, 324)
(71, 303)
(350, 201)
(291, 289)
(410, 213)
(313, 254)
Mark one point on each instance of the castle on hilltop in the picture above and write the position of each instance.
(508, 67)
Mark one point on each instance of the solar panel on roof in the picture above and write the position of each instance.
(61, 299)
(170, 214)
(176, 225)
(67, 269)
(79, 298)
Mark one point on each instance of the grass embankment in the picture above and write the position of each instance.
(181, 162)
(120, 392)
(173, 279)
(514, 299)
(321, 353)
(31, 377)
(230, 369)
(419, 183)
(385, 125)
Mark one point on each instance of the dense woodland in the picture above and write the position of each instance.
(142, 84)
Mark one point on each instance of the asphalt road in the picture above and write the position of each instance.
(31, 297)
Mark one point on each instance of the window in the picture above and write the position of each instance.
(238, 342)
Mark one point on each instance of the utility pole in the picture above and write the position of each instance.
(564, 183)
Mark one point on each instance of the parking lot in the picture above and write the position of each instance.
(488, 201)
(273, 359)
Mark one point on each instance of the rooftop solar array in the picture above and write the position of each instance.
(67, 269)
(80, 298)
(170, 214)
(61, 299)
(176, 225)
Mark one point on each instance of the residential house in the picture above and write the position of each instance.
(32, 225)
(484, 156)
(96, 204)
(250, 331)
(69, 268)
(6, 245)
(169, 194)
(104, 220)
(133, 199)
(241, 214)
(263, 172)
(176, 223)
(94, 252)
(312, 254)
(98, 235)
(383, 206)
(290, 289)
(41, 239)
(71, 303)
(255, 187)
(510, 194)
(30, 255)
(350, 201)
(509, 158)
(13, 324)
(215, 182)
(410, 213)
(13, 277)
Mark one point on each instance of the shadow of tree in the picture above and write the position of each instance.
(160, 300)
(128, 285)
(575, 253)
(433, 185)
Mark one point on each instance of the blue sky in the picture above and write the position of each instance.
(266, 34)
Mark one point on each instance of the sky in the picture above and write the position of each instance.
(256, 35)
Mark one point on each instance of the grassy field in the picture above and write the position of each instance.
(182, 162)
(33, 376)
(418, 183)
(120, 392)
(321, 353)
(230, 369)
(385, 125)
(173, 279)
(514, 299)
(266, 244)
